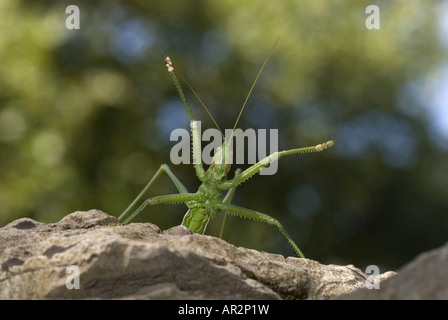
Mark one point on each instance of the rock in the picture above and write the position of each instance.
(424, 278)
(85, 256)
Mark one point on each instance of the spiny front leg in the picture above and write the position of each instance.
(249, 172)
(258, 216)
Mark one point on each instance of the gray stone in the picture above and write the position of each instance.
(424, 278)
(138, 261)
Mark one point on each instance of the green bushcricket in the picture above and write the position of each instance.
(208, 202)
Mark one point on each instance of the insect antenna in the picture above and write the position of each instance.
(189, 86)
(199, 99)
(253, 84)
(153, 52)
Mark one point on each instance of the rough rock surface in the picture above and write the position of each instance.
(425, 277)
(138, 261)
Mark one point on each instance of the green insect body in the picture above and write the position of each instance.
(207, 202)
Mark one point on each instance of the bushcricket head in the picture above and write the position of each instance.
(222, 161)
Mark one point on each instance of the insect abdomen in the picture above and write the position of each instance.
(196, 220)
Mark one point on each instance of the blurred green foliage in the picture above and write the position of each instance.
(85, 115)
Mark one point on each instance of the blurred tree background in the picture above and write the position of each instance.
(86, 115)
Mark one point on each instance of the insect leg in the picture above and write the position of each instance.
(258, 216)
(249, 172)
(163, 168)
(228, 199)
(166, 199)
